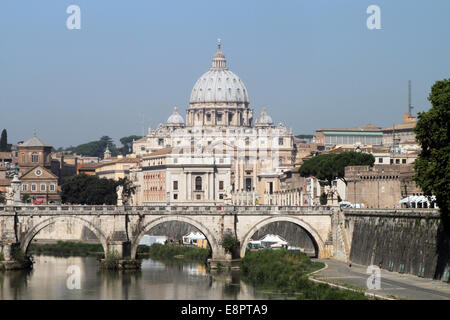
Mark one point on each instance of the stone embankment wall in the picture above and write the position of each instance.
(401, 240)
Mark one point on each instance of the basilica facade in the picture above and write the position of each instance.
(220, 151)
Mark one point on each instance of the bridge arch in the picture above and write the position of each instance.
(32, 232)
(212, 239)
(316, 239)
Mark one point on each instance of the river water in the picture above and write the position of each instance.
(55, 278)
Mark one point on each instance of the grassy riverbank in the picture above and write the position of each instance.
(160, 251)
(287, 272)
(66, 249)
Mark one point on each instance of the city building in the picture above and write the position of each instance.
(363, 135)
(380, 186)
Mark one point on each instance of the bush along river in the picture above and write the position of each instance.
(71, 271)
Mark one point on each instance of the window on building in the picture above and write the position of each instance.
(392, 161)
(219, 117)
(142, 148)
(208, 116)
(24, 187)
(33, 187)
(221, 196)
(380, 160)
(220, 185)
(43, 187)
(403, 160)
(230, 118)
(397, 161)
(23, 157)
(34, 157)
(52, 187)
(160, 141)
(175, 185)
(198, 197)
(280, 141)
(175, 196)
(198, 184)
(248, 184)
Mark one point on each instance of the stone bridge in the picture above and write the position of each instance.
(120, 228)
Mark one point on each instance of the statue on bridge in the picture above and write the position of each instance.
(119, 191)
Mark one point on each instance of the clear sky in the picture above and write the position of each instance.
(312, 64)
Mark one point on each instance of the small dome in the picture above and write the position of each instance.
(264, 118)
(175, 118)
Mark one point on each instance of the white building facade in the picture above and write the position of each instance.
(219, 150)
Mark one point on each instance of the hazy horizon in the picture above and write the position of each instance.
(312, 64)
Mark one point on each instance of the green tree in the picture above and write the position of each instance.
(96, 148)
(128, 188)
(25, 197)
(229, 243)
(330, 166)
(4, 141)
(433, 163)
(89, 189)
(127, 143)
(323, 198)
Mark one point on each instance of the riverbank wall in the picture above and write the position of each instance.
(403, 241)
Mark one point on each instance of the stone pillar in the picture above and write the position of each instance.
(121, 248)
(8, 250)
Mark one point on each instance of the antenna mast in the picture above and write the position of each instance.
(410, 107)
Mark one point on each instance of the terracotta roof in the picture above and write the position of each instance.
(34, 142)
(407, 125)
(160, 152)
(88, 166)
(5, 182)
(5, 155)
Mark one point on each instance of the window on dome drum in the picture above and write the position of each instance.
(198, 184)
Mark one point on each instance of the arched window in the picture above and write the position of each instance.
(198, 184)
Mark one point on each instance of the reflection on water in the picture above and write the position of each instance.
(157, 280)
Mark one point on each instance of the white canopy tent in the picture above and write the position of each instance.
(270, 239)
(418, 202)
(193, 237)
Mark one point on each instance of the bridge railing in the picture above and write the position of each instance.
(165, 209)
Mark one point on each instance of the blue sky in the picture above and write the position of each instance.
(312, 64)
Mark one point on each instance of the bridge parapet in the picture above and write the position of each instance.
(406, 213)
(161, 209)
